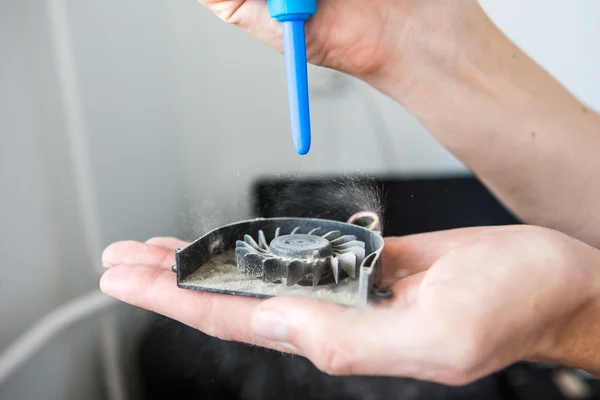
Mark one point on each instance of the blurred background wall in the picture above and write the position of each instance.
(179, 114)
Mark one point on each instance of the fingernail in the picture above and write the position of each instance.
(271, 325)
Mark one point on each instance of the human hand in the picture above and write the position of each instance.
(467, 302)
(474, 90)
(373, 40)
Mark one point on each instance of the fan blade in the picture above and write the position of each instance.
(296, 230)
(273, 270)
(332, 235)
(296, 270)
(348, 263)
(249, 240)
(262, 241)
(317, 271)
(343, 239)
(335, 268)
(277, 232)
(244, 245)
(253, 264)
(240, 252)
(359, 252)
(316, 232)
(347, 245)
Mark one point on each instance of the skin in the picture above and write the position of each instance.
(451, 67)
(467, 302)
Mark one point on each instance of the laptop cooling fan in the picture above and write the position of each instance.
(328, 260)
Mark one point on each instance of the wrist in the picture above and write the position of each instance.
(575, 339)
(578, 343)
(438, 53)
(463, 83)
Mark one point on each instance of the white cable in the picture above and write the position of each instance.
(48, 327)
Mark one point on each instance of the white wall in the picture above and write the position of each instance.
(127, 121)
(560, 35)
(233, 109)
(36, 244)
(234, 120)
(181, 113)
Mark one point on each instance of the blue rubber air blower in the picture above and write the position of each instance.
(293, 14)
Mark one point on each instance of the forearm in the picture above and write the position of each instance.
(529, 140)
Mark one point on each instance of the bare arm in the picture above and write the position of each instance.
(524, 135)
(529, 140)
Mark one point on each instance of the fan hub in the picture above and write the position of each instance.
(301, 246)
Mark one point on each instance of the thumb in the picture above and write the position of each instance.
(340, 340)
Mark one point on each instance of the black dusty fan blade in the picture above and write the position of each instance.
(262, 241)
(347, 245)
(343, 240)
(348, 263)
(332, 235)
(296, 270)
(254, 264)
(240, 252)
(316, 231)
(273, 270)
(317, 271)
(250, 241)
(335, 268)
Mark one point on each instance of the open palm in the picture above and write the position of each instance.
(467, 302)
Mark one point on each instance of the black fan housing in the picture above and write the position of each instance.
(330, 260)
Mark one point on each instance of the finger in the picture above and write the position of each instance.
(408, 255)
(131, 252)
(252, 16)
(222, 316)
(168, 242)
(350, 341)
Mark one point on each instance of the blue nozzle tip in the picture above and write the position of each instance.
(297, 77)
(303, 148)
